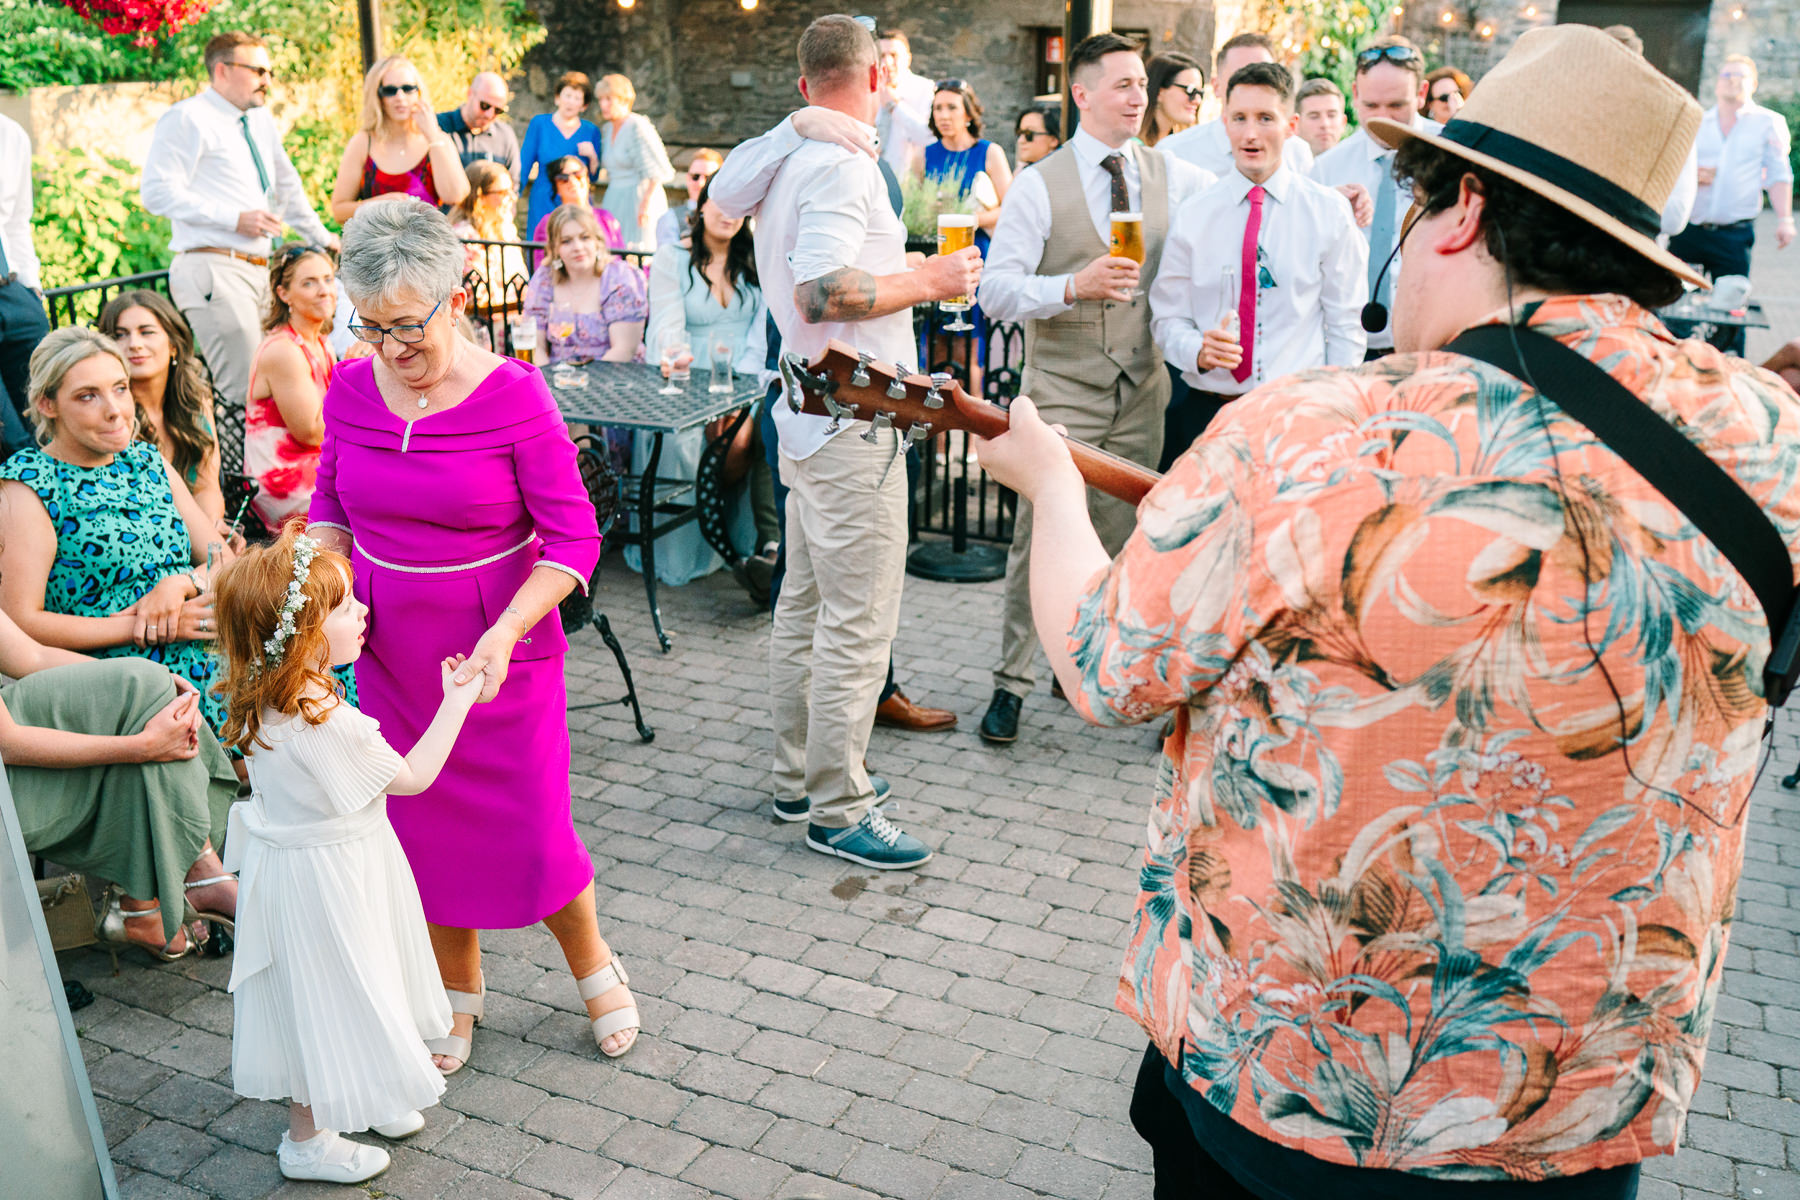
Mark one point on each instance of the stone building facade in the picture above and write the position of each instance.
(710, 72)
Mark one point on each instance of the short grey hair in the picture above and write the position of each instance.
(399, 249)
(61, 351)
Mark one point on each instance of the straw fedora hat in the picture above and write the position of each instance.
(1576, 117)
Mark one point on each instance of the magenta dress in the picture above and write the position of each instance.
(478, 494)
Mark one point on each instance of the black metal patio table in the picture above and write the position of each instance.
(1694, 306)
(629, 396)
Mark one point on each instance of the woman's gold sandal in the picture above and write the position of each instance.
(111, 928)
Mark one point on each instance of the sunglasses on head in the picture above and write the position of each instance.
(499, 110)
(952, 85)
(390, 90)
(1400, 56)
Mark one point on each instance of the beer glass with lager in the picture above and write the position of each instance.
(1128, 240)
(956, 231)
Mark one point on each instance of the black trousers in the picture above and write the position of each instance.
(1201, 1154)
(1719, 250)
(23, 325)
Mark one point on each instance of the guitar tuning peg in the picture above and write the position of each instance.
(880, 422)
(896, 389)
(919, 431)
(860, 376)
(939, 380)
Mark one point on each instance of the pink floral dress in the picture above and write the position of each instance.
(285, 468)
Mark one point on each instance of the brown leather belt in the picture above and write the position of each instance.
(255, 260)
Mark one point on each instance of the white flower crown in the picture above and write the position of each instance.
(305, 549)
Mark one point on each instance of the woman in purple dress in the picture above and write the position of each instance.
(447, 477)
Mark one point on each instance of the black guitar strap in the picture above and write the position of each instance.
(1702, 490)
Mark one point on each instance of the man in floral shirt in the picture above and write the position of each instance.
(1450, 823)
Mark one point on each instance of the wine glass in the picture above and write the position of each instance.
(677, 358)
(562, 323)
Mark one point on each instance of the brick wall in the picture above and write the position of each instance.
(709, 73)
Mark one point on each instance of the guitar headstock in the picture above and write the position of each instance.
(847, 385)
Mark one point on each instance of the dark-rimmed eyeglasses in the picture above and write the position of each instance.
(499, 110)
(409, 334)
(1400, 56)
(260, 72)
(390, 90)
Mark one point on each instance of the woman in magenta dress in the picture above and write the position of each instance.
(399, 150)
(448, 478)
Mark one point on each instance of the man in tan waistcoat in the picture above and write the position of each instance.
(1090, 362)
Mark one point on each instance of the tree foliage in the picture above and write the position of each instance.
(1323, 34)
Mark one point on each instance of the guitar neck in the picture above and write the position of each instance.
(1102, 469)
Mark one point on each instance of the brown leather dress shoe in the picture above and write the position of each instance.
(902, 713)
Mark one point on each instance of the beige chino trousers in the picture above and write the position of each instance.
(224, 299)
(1122, 417)
(835, 619)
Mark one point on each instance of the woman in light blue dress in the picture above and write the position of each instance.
(636, 164)
(704, 291)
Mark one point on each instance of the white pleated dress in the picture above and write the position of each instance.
(334, 986)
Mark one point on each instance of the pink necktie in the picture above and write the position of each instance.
(1247, 285)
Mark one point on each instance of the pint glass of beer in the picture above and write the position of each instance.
(1128, 240)
(956, 231)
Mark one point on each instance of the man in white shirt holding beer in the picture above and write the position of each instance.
(1089, 358)
(1263, 273)
(832, 256)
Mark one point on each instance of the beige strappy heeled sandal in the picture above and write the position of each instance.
(111, 929)
(470, 1004)
(620, 1020)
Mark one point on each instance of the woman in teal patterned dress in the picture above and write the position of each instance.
(104, 549)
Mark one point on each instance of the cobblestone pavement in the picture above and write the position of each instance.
(813, 1029)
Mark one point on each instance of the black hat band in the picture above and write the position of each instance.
(1553, 168)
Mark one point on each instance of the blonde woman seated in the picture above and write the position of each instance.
(588, 304)
(704, 294)
(399, 149)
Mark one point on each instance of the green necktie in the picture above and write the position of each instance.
(262, 172)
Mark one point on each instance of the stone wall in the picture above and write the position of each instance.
(710, 73)
(118, 119)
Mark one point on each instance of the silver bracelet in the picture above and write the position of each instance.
(523, 623)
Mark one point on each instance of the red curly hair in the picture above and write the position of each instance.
(247, 605)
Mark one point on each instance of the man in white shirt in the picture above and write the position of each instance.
(23, 322)
(832, 256)
(1319, 109)
(1089, 358)
(217, 170)
(904, 120)
(1389, 83)
(1288, 246)
(1206, 144)
(1741, 151)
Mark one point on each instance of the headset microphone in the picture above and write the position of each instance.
(1375, 313)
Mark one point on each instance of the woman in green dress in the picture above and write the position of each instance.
(112, 768)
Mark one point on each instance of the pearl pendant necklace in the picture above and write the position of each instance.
(423, 402)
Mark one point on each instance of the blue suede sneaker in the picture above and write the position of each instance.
(801, 809)
(873, 841)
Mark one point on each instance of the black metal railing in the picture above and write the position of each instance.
(81, 304)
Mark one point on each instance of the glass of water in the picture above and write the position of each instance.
(722, 354)
(677, 358)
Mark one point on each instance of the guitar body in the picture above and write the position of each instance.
(847, 386)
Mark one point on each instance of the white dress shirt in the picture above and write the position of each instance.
(1753, 156)
(904, 136)
(819, 208)
(200, 175)
(1011, 288)
(1680, 205)
(1359, 158)
(1308, 247)
(15, 203)
(1208, 147)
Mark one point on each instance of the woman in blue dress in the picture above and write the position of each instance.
(704, 292)
(976, 168)
(554, 135)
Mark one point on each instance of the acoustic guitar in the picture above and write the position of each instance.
(847, 385)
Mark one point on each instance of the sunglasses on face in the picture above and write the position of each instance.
(390, 90)
(567, 178)
(1444, 97)
(409, 334)
(1193, 93)
(1400, 56)
(259, 72)
(698, 176)
(499, 110)
(1032, 135)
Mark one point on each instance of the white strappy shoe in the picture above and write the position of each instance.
(459, 1048)
(620, 1020)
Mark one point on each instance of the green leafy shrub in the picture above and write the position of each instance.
(46, 44)
(1790, 110)
(87, 220)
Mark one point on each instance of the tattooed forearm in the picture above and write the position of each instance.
(843, 295)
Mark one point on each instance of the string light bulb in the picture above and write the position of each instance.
(1325, 41)
(1447, 17)
(627, 3)
(1531, 10)
(1737, 14)
(747, 5)
(1487, 31)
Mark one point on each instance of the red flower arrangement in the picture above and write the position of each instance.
(144, 21)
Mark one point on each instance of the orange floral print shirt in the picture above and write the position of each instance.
(1449, 828)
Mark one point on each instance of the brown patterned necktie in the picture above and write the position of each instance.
(1114, 165)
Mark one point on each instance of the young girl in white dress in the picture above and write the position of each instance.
(334, 985)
